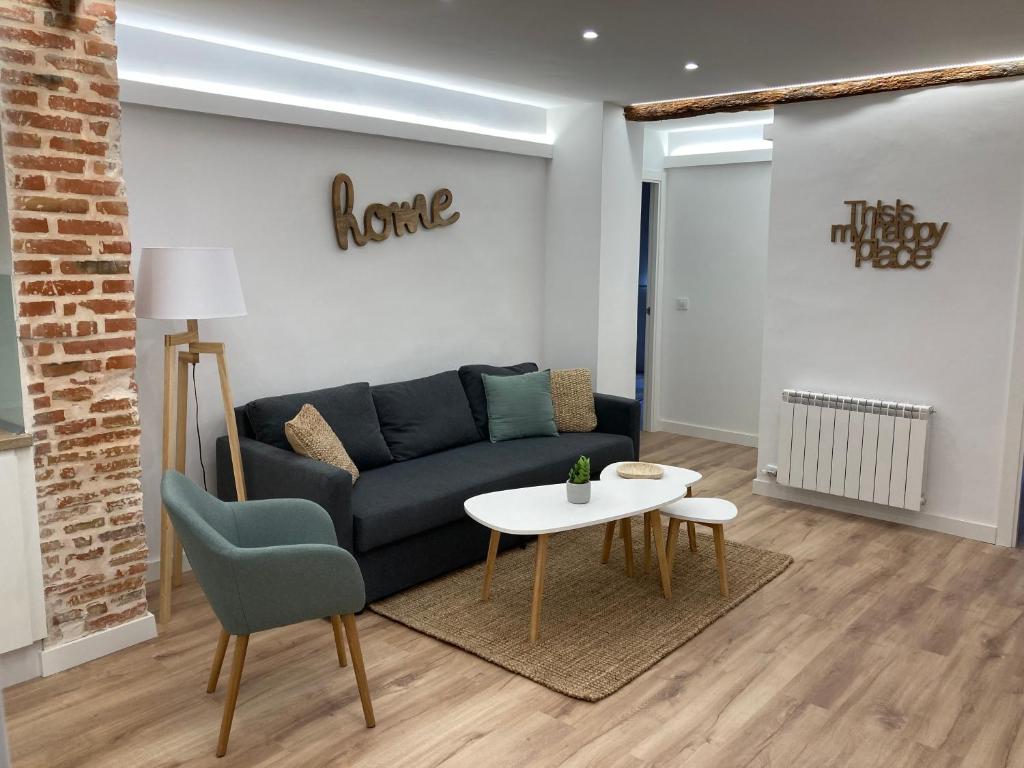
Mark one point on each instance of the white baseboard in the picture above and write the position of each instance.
(708, 433)
(963, 528)
(20, 665)
(67, 655)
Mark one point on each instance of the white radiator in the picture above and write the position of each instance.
(872, 450)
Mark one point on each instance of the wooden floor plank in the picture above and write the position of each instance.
(882, 645)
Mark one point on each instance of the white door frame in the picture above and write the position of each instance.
(652, 349)
(1013, 445)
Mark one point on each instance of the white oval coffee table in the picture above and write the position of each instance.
(543, 510)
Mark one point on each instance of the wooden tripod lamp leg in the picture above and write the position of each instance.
(181, 416)
(229, 417)
(166, 530)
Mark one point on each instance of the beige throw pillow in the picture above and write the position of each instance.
(573, 398)
(309, 435)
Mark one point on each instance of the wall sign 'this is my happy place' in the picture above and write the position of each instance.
(380, 221)
(889, 236)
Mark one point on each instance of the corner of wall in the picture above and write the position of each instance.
(75, 294)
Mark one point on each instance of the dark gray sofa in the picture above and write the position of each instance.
(422, 449)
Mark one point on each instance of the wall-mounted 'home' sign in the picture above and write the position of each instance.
(889, 236)
(380, 221)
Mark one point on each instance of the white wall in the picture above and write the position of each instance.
(941, 336)
(621, 186)
(573, 237)
(716, 233)
(593, 240)
(319, 316)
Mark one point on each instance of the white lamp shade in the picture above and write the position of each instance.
(188, 284)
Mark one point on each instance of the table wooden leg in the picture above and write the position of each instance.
(538, 586)
(691, 533)
(723, 578)
(492, 554)
(647, 542)
(626, 528)
(659, 547)
(670, 545)
(609, 536)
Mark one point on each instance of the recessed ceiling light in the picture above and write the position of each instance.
(589, 34)
(691, 65)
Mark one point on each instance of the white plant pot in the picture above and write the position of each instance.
(577, 493)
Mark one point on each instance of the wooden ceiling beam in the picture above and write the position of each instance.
(772, 97)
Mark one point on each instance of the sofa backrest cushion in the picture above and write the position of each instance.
(424, 416)
(347, 409)
(474, 386)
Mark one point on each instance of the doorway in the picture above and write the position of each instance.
(646, 259)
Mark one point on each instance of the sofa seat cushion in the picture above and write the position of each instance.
(473, 383)
(424, 416)
(347, 409)
(406, 498)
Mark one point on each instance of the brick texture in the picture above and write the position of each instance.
(60, 120)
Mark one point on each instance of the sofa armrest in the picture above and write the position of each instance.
(274, 473)
(619, 416)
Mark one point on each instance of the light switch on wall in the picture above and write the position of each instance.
(683, 303)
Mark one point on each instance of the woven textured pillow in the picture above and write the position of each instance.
(573, 398)
(309, 435)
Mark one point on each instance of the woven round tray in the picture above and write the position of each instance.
(640, 470)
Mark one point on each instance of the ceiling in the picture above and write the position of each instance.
(532, 50)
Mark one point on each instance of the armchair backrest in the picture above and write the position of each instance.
(208, 533)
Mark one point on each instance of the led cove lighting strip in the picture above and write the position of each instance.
(322, 61)
(717, 147)
(722, 126)
(835, 80)
(288, 99)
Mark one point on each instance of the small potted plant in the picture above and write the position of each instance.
(577, 490)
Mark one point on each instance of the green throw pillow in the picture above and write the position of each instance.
(519, 406)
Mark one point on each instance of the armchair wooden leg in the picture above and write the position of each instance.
(218, 661)
(339, 641)
(237, 662)
(609, 536)
(357, 666)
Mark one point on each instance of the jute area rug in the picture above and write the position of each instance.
(599, 629)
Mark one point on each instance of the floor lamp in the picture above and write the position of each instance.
(189, 284)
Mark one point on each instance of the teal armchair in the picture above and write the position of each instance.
(266, 564)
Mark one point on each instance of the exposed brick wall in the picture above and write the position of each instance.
(75, 302)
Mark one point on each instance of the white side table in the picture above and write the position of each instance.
(675, 477)
(714, 513)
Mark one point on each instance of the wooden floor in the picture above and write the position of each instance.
(881, 646)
